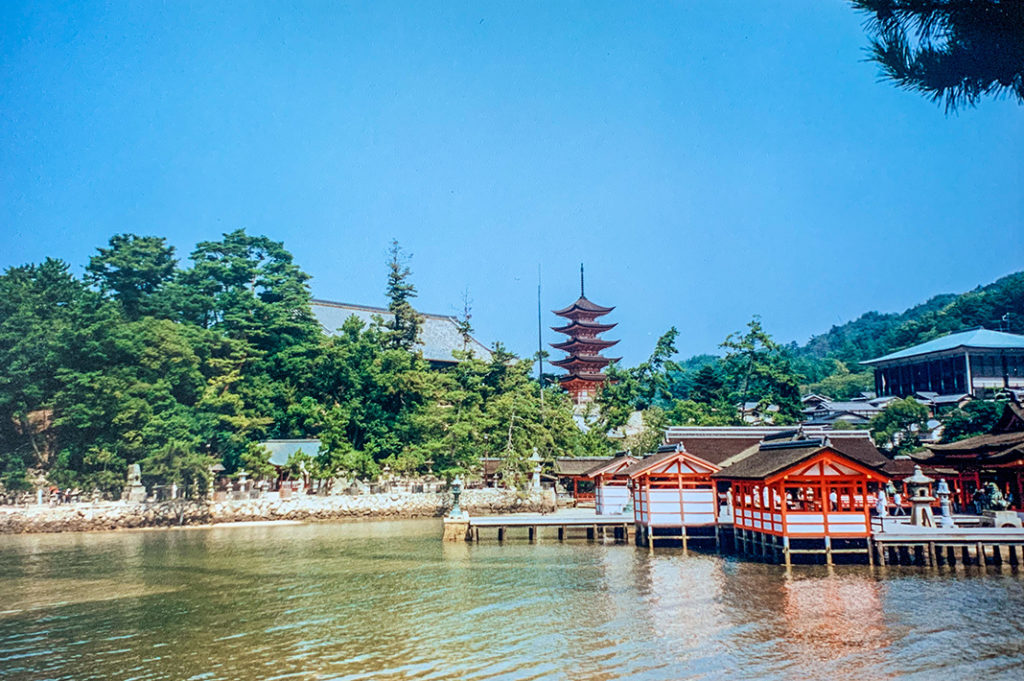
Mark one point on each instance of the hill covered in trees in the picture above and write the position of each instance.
(182, 366)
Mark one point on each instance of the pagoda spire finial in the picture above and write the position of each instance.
(581, 281)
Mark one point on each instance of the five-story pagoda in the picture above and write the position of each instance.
(584, 364)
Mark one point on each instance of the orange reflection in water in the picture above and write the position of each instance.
(838, 622)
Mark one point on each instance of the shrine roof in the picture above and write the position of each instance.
(664, 453)
(611, 464)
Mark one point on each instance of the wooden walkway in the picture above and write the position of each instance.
(590, 527)
(946, 547)
(895, 544)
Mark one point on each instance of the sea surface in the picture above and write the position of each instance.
(389, 600)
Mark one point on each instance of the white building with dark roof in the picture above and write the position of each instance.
(439, 337)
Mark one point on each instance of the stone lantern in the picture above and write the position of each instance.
(942, 491)
(535, 459)
(456, 523)
(920, 500)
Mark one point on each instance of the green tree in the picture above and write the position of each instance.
(899, 427)
(691, 413)
(640, 387)
(956, 51)
(133, 270)
(977, 417)
(757, 370)
(842, 384)
(404, 325)
(708, 385)
(39, 305)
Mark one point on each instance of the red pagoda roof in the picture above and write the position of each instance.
(592, 360)
(577, 325)
(575, 345)
(583, 305)
(583, 376)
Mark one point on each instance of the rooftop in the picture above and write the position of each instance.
(439, 334)
(978, 338)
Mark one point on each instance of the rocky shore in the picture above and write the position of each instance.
(86, 517)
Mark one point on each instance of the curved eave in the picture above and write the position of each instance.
(583, 305)
(589, 326)
(589, 378)
(579, 343)
(593, 360)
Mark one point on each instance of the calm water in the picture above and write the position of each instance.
(388, 600)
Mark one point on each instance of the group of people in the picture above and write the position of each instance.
(67, 496)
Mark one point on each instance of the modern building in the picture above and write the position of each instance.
(584, 364)
(978, 362)
(440, 336)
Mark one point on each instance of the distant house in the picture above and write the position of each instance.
(978, 362)
(439, 335)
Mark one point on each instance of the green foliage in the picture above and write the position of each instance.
(134, 270)
(692, 413)
(953, 50)
(655, 420)
(977, 417)
(841, 384)
(898, 427)
(758, 371)
(178, 463)
(639, 387)
(404, 325)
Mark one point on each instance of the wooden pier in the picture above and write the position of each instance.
(591, 527)
(888, 544)
(979, 546)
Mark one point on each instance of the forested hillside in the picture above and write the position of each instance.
(182, 366)
(874, 334)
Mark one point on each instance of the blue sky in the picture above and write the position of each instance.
(707, 161)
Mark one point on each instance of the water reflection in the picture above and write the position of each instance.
(390, 601)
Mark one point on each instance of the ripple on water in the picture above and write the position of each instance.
(389, 601)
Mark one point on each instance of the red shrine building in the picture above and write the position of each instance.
(584, 363)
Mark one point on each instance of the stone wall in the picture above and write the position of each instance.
(110, 516)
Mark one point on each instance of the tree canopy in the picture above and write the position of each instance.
(953, 51)
(176, 368)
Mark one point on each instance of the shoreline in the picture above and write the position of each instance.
(86, 517)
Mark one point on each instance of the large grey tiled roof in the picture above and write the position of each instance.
(974, 338)
(439, 334)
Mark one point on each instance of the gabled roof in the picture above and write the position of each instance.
(978, 338)
(767, 462)
(583, 305)
(439, 334)
(615, 465)
(664, 458)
